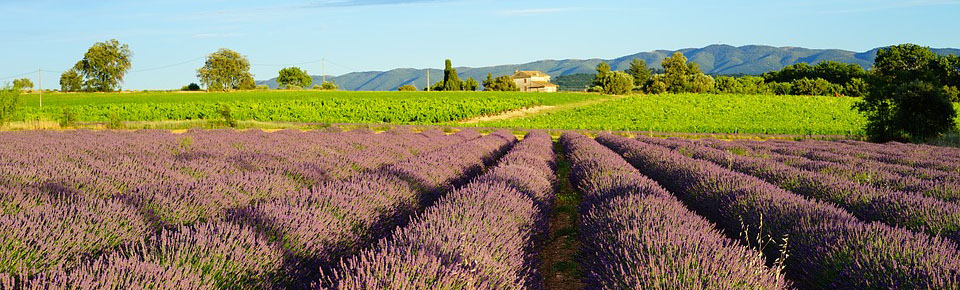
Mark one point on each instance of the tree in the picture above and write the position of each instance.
(9, 103)
(618, 83)
(640, 72)
(815, 87)
(226, 70)
(407, 88)
(907, 99)
(678, 72)
(603, 75)
(753, 85)
(728, 85)
(657, 84)
(329, 86)
(470, 85)
(856, 87)
(294, 76)
(104, 66)
(22, 84)
(191, 87)
(611, 82)
(451, 81)
(701, 83)
(500, 84)
(70, 81)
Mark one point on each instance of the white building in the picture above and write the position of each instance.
(534, 81)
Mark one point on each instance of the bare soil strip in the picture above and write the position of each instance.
(560, 268)
(508, 115)
(532, 111)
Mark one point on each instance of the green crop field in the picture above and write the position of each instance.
(681, 113)
(706, 113)
(289, 106)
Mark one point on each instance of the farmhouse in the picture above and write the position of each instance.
(533, 81)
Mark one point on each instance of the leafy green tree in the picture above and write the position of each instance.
(226, 70)
(790, 73)
(856, 87)
(815, 87)
(470, 85)
(191, 87)
(70, 81)
(728, 85)
(780, 88)
(407, 88)
(500, 84)
(618, 83)
(701, 83)
(329, 86)
(907, 99)
(294, 76)
(104, 66)
(451, 81)
(753, 85)
(678, 73)
(602, 77)
(9, 103)
(22, 84)
(837, 72)
(657, 84)
(640, 72)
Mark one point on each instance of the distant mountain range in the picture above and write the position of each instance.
(715, 59)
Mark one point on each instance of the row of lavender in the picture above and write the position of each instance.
(74, 238)
(481, 236)
(56, 192)
(636, 235)
(199, 173)
(816, 156)
(911, 210)
(827, 247)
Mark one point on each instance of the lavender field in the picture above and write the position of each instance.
(225, 209)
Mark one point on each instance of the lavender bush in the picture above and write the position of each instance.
(828, 247)
(635, 235)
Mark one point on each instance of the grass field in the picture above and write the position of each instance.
(699, 113)
(683, 113)
(289, 106)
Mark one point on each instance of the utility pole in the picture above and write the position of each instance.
(323, 71)
(40, 82)
(428, 79)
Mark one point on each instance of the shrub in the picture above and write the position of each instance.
(9, 103)
(191, 87)
(407, 88)
(227, 115)
(329, 86)
(68, 118)
(114, 121)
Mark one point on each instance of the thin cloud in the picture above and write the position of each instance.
(535, 11)
(895, 5)
(218, 35)
(353, 3)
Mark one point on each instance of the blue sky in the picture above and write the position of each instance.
(170, 38)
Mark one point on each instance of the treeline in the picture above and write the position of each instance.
(451, 82)
(682, 76)
(828, 78)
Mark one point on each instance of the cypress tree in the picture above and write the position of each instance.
(451, 81)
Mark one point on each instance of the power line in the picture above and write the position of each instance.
(19, 75)
(288, 64)
(168, 66)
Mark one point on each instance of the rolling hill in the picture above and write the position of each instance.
(715, 59)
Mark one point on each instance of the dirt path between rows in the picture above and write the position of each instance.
(533, 111)
(508, 115)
